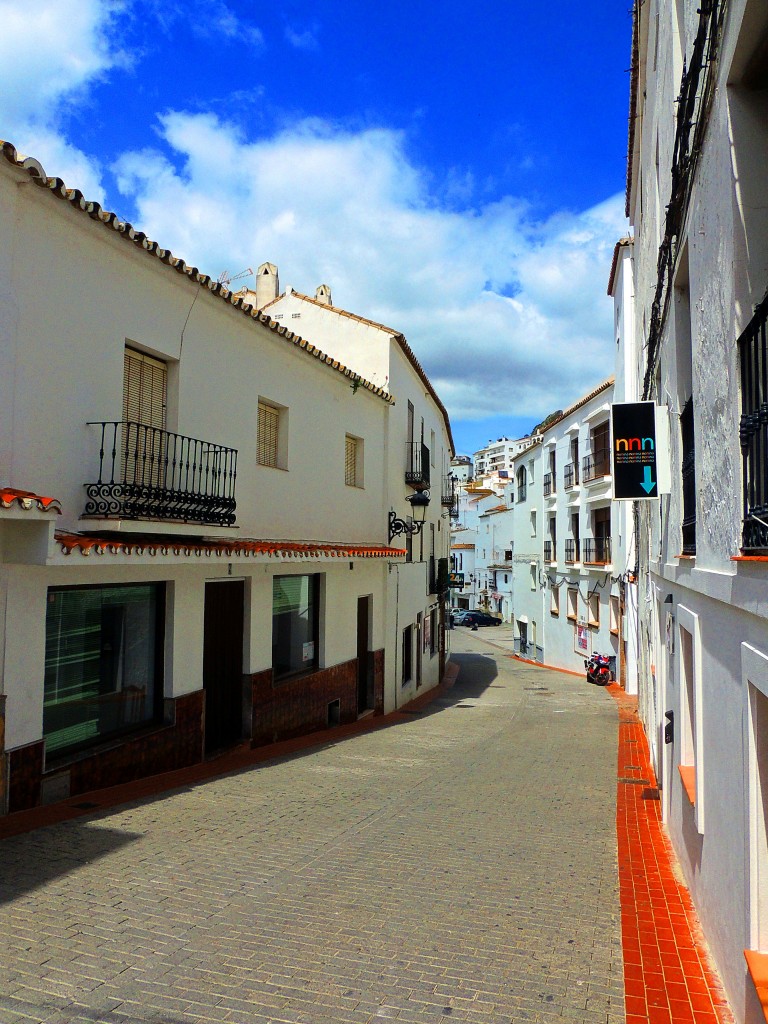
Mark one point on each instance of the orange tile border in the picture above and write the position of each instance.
(757, 965)
(662, 942)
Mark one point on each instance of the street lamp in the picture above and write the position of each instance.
(419, 500)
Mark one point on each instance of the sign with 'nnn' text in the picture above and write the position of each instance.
(634, 463)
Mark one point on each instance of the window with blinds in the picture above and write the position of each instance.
(350, 462)
(268, 434)
(145, 389)
(145, 394)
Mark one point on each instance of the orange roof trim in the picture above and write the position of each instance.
(70, 542)
(26, 499)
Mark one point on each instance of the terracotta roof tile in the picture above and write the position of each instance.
(26, 499)
(281, 549)
(77, 201)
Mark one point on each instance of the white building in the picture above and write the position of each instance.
(696, 196)
(196, 511)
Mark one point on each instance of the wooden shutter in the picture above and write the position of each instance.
(145, 389)
(269, 423)
(350, 461)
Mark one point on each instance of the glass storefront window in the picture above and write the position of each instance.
(103, 662)
(295, 624)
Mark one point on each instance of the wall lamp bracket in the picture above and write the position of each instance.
(417, 501)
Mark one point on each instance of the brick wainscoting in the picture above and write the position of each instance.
(293, 707)
(176, 745)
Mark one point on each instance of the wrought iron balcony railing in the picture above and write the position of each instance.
(572, 551)
(753, 430)
(571, 475)
(597, 551)
(549, 484)
(596, 465)
(416, 464)
(450, 498)
(148, 473)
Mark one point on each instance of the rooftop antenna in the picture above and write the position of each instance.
(226, 278)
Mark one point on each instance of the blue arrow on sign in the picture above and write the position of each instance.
(647, 484)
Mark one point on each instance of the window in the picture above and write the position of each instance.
(753, 357)
(554, 602)
(103, 662)
(688, 473)
(615, 621)
(573, 603)
(407, 655)
(433, 638)
(534, 576)
(533, 523)
(593, 607)
(295, 624)
(522, 487)
(353, 461)
(754, 674)
(145, 400)
(690, 750)
(271, 435)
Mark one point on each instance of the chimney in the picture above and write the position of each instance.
(267, 284)
(323, 294)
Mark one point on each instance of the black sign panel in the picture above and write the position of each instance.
(456, 579)
(633, 451)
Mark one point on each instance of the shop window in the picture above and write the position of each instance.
(295, 625)
(103, 663)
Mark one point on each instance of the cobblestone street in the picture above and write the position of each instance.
(458, 864)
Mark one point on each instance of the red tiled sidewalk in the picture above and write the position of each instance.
(668, 978)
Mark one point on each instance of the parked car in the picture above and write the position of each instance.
(479, 619)
(459, 615)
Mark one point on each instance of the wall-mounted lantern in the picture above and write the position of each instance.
(418, 503)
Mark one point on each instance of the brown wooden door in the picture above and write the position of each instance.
(364, 657)
(223, 663)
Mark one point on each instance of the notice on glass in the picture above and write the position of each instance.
(308, 651)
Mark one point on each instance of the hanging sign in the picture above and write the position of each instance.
(634, 466)
(456, 579)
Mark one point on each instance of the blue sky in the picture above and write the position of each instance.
(456, 172)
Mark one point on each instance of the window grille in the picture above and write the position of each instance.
(269, 424)
(753, 430)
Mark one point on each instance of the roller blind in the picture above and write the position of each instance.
(269, 423)
(145, 389)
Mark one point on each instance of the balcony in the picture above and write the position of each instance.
(596, 465)
(549, 551)
(572, 551)
(571, 476)
(449, 498)
(148, 473)
(597, 551)
(549, 484)
(417, 465)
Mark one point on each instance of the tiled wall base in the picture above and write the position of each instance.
(171, 746)
(294, 707)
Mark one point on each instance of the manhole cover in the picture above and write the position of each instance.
(635, 782)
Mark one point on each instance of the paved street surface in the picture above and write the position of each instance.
(457, 865)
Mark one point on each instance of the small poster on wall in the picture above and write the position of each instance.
(581, 638)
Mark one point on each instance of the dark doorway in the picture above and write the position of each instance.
(223, 663)
(364, 656)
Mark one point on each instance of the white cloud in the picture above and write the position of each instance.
(303, 38)
(51, 52)
(350, 209)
